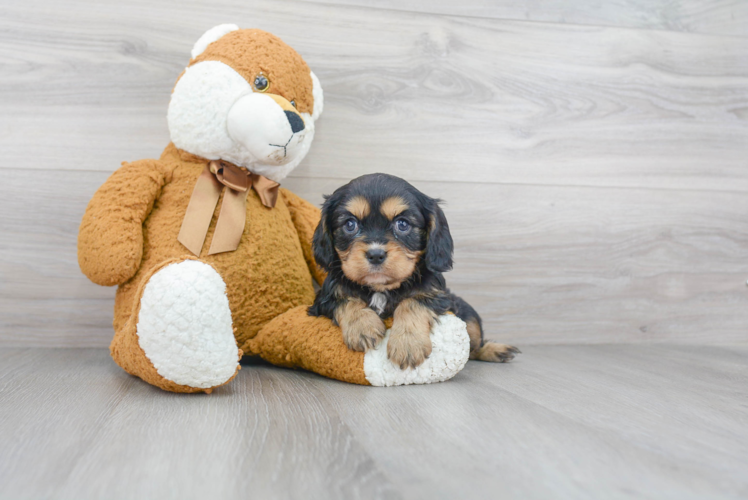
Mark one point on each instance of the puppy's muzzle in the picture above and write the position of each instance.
(376, 256)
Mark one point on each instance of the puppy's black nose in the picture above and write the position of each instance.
(295, 120)
(376, 256)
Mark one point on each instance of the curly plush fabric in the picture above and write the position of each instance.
(269, 273)
(184, 325)
(251, 52)
(127, 352)
(297, 340)
(110, 239)
(182, 322)
(450, 350)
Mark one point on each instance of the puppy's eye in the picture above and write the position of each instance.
(350, 226)
(261, 83)
(402, 225)
(293, 103)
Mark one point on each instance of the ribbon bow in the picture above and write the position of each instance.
(230, 224)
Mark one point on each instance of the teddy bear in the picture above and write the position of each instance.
(212, 258)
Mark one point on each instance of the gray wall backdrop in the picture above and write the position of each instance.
(593, 157)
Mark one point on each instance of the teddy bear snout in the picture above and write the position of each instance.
(260, 124)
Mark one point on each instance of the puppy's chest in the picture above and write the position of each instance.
(383, 304)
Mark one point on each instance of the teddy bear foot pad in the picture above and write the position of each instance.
(450, 350)
(185, 327)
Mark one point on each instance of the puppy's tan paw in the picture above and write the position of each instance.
(495, 353)
(362, 330)
(408, 350)
(410, 338)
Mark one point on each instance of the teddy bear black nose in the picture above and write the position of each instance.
(376, 256)
(295, 120)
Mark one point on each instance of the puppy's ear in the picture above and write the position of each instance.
(322, 244)
(439, 246)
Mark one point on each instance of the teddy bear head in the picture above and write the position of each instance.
(247, 98)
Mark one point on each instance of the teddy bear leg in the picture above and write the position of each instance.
(296, 340)
(180, 335)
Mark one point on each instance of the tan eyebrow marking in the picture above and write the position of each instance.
(358, 206)
(392, 207)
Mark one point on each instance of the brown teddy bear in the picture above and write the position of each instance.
(212, 258)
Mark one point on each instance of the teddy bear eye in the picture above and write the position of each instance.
(293, 103)
(261, 83)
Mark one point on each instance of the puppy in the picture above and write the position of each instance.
(385, 246)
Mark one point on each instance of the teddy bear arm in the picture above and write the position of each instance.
(110, 239)
(305, 217)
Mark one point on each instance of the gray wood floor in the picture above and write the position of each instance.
(561, 422)
(593, 160)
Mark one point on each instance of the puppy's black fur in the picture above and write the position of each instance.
(380, 235)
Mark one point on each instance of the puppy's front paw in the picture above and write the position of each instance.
(362, 329)
(408, 349)
(410, 337)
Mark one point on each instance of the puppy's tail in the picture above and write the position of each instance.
(480, 349)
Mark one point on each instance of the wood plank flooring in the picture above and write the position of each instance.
(537, 263)
(592, 156)
(718, 17)
(438, 97)
(593, 164)
(560, 422)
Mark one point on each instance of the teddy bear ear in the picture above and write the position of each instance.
(318, 95)
(211, 36)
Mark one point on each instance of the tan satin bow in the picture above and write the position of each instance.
(230, 225)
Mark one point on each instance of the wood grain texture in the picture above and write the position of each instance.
(103, 433)
(718, 17)
(595, 176)
(433, 97)
(559, 422)
(542, 264)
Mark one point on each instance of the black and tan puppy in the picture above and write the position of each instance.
(385, 246)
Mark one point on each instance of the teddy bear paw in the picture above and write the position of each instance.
(450, 348)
